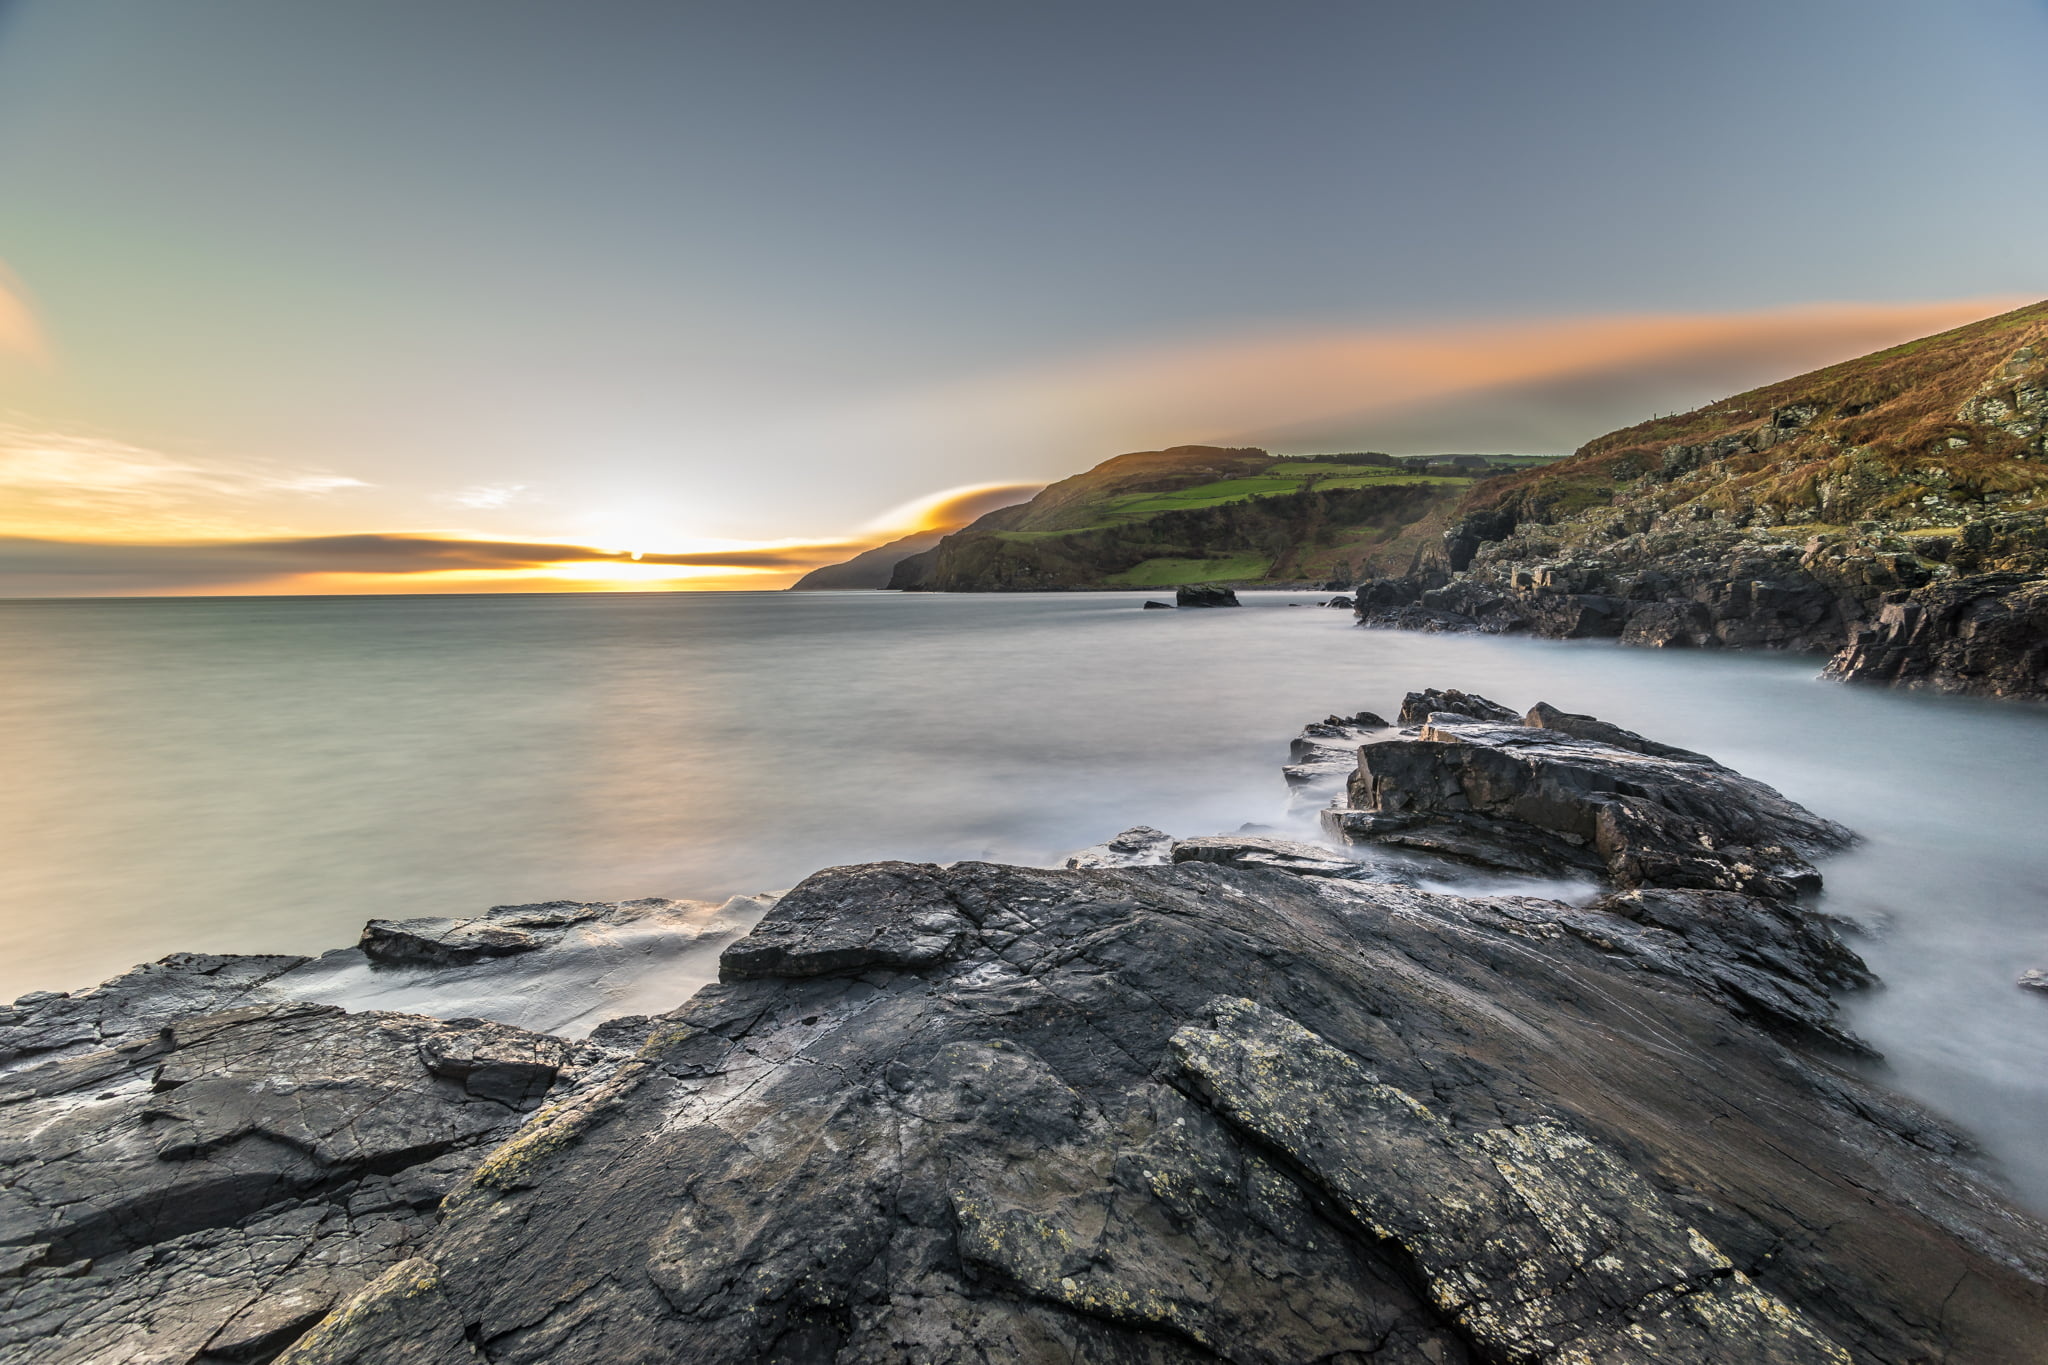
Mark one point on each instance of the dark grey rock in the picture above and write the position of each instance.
(1537, 799)
(1200, 1112)
(1205, 595)
(1418, 707)
(48, 1024)
(1158, 606)
(2033, 979)
(1282, 855)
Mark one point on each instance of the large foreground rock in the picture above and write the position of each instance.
(1202, 1112)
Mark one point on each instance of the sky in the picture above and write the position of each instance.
(326, 298)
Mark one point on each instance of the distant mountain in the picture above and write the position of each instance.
(1888, 510)
(869, 568)
(1208, 514)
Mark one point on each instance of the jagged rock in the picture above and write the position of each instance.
(1544, 716)
(1284, 855)
(2033, 979)
(1204, 595)
(505, 930)
(1539, 799)
(1418, 707)
(1200, 1112)
(210, 1190)
(1138, 846)
(1986, 635)
(49, 1024)
(1327, 750)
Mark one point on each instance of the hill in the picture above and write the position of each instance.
(869, 568)
(1887, 510)
(1207, 514)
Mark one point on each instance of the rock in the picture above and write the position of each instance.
(1538, 800)
(1138, 846)
(2034, 979)
(1158, 606)
(210, 1190)
(1544, 716)
(1418, 707)
(1203, 1112)
(1344, 603)
(1325, 752)
(1284, 855)
(1205, 595)
(1986, 635)
(48, 1024)
(579, 962)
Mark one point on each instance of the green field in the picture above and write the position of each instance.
(1274, 482)
(1167, 573)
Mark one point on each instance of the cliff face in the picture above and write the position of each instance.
(1887, 511)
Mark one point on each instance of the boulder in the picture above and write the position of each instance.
(1542, 800)
(1418, 707)
(1158, 606)
(2033, 979)
(1205, 595)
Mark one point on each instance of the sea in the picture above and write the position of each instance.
(265, 774)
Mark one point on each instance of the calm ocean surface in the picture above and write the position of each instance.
(259, 775)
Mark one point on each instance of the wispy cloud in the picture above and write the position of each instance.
(951, 508)
(63, 484)
(489, 497)
(1064, 415)
(21, 334)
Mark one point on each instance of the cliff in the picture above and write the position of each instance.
(1887, 511)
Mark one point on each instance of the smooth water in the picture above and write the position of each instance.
(249, 775)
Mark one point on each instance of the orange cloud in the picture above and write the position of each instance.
(20, 332)
(951, 508)
(1060, 417)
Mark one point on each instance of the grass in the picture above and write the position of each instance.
(1167, 573)
(1275, 483)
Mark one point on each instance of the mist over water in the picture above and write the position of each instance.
(262, 775)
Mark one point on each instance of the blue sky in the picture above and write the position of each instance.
(717, 264)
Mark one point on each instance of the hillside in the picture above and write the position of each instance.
(1206, 514)
(1887, 510)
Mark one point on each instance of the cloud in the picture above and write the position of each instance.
(951, 508)
(38, 567)
(21, 334)
(1346, 385)
(489, 497)
(61, 484)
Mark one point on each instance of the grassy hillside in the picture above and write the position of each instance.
(1918, 433)
(1205, 514)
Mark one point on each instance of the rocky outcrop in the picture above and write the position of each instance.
(1138, 846)
(1986, 634)
(1203, 1112)
(1571, 792)
(504, 931)
(1204, 595)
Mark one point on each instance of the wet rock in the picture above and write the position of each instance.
(1342, 603)
(1138, 846)
(504, 931)
(48, 1024)
(1158, 606)
(1282, 855)
(1203, 1112)
(1539, 799)
(2033, 979)
(1544, 716)
(1205, 595)
(1325, 751)
(210, 1190)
